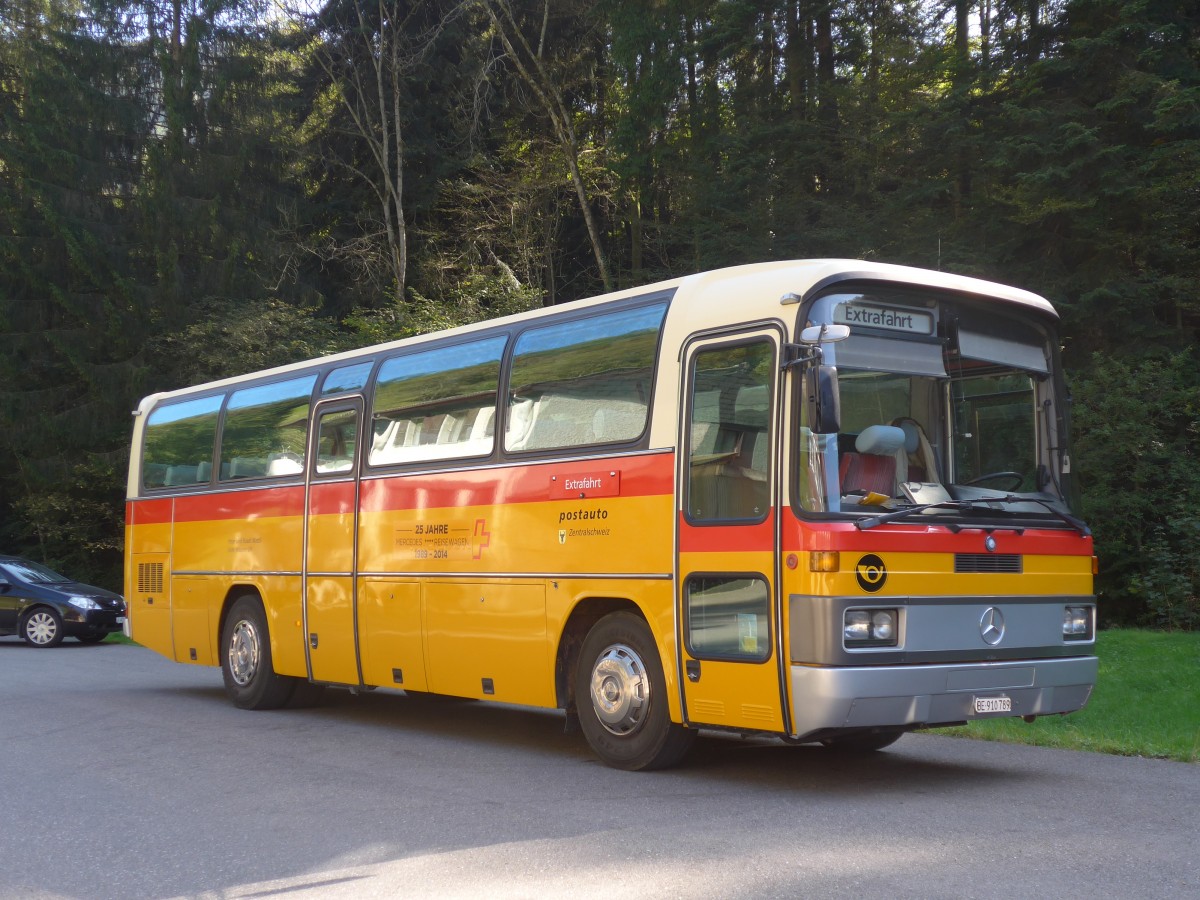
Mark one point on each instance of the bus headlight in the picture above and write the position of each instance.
(883, 625)
(870, 627)
(1077, 623)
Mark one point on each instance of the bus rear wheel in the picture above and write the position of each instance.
(621, 697)
(250, 679)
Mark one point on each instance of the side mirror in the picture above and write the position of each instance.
(815, 334)
(824, 399)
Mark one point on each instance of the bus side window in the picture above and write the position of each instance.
(180, 440)
(336, 437)
(437, 404)
(583, 382)
(266, 428)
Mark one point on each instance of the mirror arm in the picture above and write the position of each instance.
(800, 355)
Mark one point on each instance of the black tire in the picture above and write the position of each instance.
(91, 638)
(42, 627)
(250, 679)
(865, 742)
(306, 694)
(621, 696)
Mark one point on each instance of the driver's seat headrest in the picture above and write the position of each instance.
(880, 440)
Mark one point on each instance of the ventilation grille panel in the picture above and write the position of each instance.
(150, 578)
(987, 563)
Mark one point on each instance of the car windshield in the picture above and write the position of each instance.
(964, 423)
(33, 573)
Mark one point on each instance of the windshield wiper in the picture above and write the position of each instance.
(872, 521)
(1078, 524)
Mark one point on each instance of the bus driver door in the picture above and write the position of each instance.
(728, 612)
(330, 535)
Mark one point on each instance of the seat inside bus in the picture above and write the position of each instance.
(872, 467)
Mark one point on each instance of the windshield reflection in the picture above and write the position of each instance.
(33, 573)
(908, 440)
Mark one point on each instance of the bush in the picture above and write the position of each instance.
(1137, 423)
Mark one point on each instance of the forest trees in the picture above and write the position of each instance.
(71, 317)
(191, 189)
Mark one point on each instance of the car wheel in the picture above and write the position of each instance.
(250, 678)
(91, 638)
(622, 697)
(42, 627)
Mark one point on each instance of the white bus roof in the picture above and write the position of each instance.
(703, 300)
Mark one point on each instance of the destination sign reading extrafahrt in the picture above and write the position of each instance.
(910, 321)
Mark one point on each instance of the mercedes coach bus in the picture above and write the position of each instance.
(829, 500)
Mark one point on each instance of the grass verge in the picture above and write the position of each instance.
(1146, 702)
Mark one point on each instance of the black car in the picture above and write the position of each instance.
(43, 607)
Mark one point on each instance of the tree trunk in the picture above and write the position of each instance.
(529, 66)
(372, 96)
(827, 111)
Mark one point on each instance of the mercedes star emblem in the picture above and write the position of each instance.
(991, 626)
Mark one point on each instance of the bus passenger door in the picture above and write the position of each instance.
(729, 615)
(330, 535)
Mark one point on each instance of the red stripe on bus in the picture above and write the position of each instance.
(148, 512)
(335, 498)
(264, 503)
(639, 477)
(726, 538)
(902, 537)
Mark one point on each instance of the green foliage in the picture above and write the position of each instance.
(1170, 587)
(71, 321)
(75, 522)
(474, 300)
(1137, 438)
(235, 336)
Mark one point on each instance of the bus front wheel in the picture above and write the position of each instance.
(250, 679)
(621, 697)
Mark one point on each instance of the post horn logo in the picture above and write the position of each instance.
(871, 573)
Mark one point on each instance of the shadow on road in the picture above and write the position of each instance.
(483, 728)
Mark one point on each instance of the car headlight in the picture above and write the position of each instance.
(1077, 623)
(871, 627)
(84, 603)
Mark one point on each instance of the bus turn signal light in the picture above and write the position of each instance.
(824, 561)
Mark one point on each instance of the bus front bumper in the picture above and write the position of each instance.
(826, 701)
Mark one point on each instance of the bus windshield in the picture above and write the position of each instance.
(944, 418)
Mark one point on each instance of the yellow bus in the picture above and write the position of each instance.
(825, 500)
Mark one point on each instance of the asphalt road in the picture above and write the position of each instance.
(128, 776)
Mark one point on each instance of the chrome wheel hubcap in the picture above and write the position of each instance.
(243, 652)
(620, 690)
(41, 628)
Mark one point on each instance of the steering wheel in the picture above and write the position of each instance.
(1016, 477)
